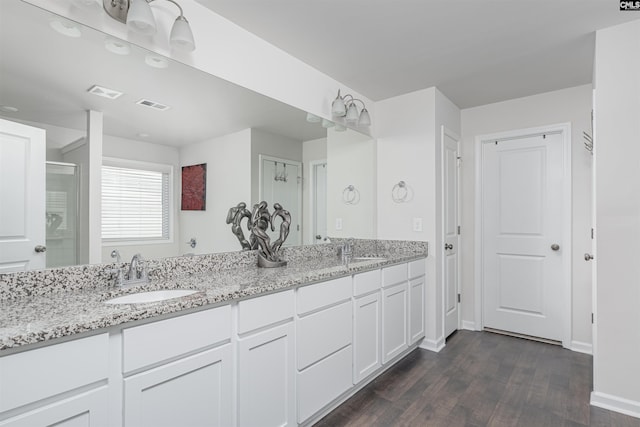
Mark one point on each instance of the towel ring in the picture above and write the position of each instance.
(400, 192)
(350, 195)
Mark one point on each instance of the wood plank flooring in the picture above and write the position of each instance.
(481, 379)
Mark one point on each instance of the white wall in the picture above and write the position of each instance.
(351, 157)
(228, 183)
(408, 130)
(225, 50)
(121, 148)
(616, 367)
(568, 105)
(313, 150)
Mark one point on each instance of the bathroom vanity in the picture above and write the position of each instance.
(250, 347)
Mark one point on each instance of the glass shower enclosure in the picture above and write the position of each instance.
(62, 214)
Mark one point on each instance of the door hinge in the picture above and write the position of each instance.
(458, 230)
(592, 234)
(459, 298)
(592, 318)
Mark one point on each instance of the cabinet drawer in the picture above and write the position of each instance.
(322, 383)
(265, 310)
(366, 282)
(158, 341)
(44, 372)
(417, 268)
(320, 295)
(322, 333)
(394, 274)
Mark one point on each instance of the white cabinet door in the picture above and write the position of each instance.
(88, 409)
(416, 309)
(266, 378)
(193, 391)
(394, 321)
(367, 318)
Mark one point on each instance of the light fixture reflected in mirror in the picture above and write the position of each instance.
(345, 106)
(138, 16)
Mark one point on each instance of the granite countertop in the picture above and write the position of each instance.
(40, 318)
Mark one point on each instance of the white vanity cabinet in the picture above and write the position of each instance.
(367, 320)
(324, 344)
(179, 371)
(63, 385)
(417, 271)
(266, 361)
(394, 311)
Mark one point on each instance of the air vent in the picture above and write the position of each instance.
(105, 92)
(153, 104)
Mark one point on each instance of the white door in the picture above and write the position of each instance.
(522, 235)
(22, 205)
(319, 202)
(450, 236)
(280, 182)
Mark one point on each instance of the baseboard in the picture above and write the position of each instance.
(469, 325)
(433, 345)
(615, 403)
(581, 347)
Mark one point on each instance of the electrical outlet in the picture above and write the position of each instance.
(338, 223)
(417, 224)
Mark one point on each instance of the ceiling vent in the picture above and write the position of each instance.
(152, 104)
(105, 92)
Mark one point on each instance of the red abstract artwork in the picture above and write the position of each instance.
(194, 187)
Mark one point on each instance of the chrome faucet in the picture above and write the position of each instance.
(346, 250)
(137, 270)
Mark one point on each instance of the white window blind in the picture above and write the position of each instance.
(135, 203)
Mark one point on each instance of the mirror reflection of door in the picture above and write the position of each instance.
(319, 197)
(280, 182)
(22, 205)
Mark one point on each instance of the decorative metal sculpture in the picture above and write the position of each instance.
(259, 222)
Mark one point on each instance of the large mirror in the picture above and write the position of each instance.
(146, 114)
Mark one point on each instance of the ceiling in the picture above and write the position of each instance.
(475, 51)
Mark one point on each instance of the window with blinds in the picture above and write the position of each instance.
(135, 202)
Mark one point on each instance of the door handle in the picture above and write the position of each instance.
(318, 237)
(448, 246)
(39, 249)
(588, 257)
(555, 247)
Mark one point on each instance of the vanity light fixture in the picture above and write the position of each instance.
(138, 16)
(345, 106)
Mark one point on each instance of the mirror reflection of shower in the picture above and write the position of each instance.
(281, 182)
(62, 214)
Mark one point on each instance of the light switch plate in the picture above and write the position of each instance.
(338, 223)
(417, 224)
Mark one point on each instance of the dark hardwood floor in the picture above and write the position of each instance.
(481, 379)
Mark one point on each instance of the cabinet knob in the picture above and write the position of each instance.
(448, 246)
(588, 257)
(555, 247)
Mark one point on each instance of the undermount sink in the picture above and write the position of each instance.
(151, 296)
(368, 258)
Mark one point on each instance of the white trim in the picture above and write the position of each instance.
(565, 130)
(469, 325)
(447, 132)
(581, 347)
(433, 345)
(615, 403)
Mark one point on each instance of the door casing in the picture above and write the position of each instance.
(565, 130)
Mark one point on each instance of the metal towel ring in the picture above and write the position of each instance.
(350, 195)
(400, 192)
